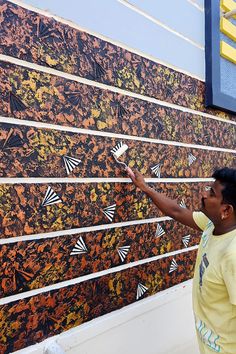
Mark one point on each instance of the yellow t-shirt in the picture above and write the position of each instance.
(214, 289)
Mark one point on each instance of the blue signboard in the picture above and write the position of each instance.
(220, 38)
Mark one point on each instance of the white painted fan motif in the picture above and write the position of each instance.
(159, 231)
(109, 211)
(141, 289)
(51, 197)
(182, 204)
(185, 240)
(123, 251)
(70, 163)
(191, 159)
(157, 170)
(79, 248)
(173, 266)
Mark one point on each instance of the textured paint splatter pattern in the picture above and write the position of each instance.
(29, 94)
(45, 41)
(33, 152)
(22, 212)
(30, 208)
(33, 319)
(35, 264)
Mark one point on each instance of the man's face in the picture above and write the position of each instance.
(212, 201)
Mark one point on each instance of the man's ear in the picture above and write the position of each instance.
(227, 211)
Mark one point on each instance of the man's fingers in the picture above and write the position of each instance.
(137, 174)
(131, 174)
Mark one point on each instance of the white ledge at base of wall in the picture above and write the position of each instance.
(53, 348)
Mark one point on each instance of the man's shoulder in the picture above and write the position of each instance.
(202, 221)
(230, 240)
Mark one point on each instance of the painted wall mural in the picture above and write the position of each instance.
(38, 263)
(27, 209)
(34, 152)
(45, 41)
(53, 127)
(33, 95)
(33, 319)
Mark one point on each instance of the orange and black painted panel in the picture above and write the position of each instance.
(34, 152)
(33, 95)
(30, 149)
(37, 263)
(43, 40)
(34, 208)
(30, 320)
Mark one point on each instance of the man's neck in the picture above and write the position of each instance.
(224, 228)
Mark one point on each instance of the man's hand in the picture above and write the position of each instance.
(165, 204)
(138, 179)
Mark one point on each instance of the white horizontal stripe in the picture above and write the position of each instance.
(102, 37)
(81, 230)
(46, 180)
(78, 280)
(9, 180)
(159, 23)
(28, 123)
(196, 5)
(81, 80)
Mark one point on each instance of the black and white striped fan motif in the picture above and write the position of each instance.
(159, 231)
(123, 251)
(182, 204)
(70, 163)
(191, 159)
(173, 266)
(110, 211)
(207, 188)
(51, 197)
(141, 289)
(79, 248)
(157, 170)
(186, 240)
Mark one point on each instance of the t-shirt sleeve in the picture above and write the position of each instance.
(229, 275)
(200, 219)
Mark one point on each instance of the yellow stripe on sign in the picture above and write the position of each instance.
(228, 28)
(228, 52)
(228, 5)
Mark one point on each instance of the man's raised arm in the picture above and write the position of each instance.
(168, 206)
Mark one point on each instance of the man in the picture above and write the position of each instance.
(214, 283)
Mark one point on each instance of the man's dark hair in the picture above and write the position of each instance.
(227, 177)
